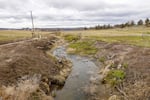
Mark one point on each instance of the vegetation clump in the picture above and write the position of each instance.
(114, 77)
(83, 47)
(125, 65)
(71, 38)
(102, 59)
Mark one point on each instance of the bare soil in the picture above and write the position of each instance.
(136, 85)
(27, 64)
(25, 58)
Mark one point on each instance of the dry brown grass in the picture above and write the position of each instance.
(22, 90)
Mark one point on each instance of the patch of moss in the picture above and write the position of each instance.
(114, 77)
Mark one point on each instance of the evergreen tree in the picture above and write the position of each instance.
(140, 22)
(147, 22)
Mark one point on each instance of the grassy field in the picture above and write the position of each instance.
(11, 35)
(139, 36)
(8, 35)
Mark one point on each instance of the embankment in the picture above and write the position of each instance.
(27, 72)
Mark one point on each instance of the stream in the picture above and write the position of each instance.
(83, 72)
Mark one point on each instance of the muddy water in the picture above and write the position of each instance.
(83, 72)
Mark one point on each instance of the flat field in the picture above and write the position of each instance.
(8, 36)
(139, 36)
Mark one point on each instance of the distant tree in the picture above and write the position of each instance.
(127, 24)
(132, 23)
(140, 22)
(147, 22)
(122, 25)
(85, 28)
(97, 27)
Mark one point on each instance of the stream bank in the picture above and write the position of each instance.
(121, 67)
(27, 72)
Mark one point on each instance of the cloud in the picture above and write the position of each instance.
(71, 13)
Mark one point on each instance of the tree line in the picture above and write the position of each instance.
(141, 22)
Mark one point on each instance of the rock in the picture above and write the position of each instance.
(114, 97)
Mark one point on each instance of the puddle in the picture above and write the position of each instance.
(83, 72)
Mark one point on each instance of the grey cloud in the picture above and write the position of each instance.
(61, 13)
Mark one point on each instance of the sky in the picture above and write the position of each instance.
(71, 13)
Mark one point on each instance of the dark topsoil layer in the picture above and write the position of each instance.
(137, 81)
(26, 58)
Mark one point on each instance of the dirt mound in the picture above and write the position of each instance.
(26, 58)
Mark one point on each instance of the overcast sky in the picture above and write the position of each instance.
(71, 13)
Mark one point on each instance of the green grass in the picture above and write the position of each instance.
(71, 38)
(102, 59)
(83, 47)
(110, 32)
(138, 35)
(114, 77)
(132, 40)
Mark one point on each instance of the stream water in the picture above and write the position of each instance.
(83, 71)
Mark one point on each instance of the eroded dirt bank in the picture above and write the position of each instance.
(27, 71)
(131, 60)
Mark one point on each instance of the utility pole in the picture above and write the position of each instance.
(33, 30)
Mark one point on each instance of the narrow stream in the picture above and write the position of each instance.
(83, 71)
